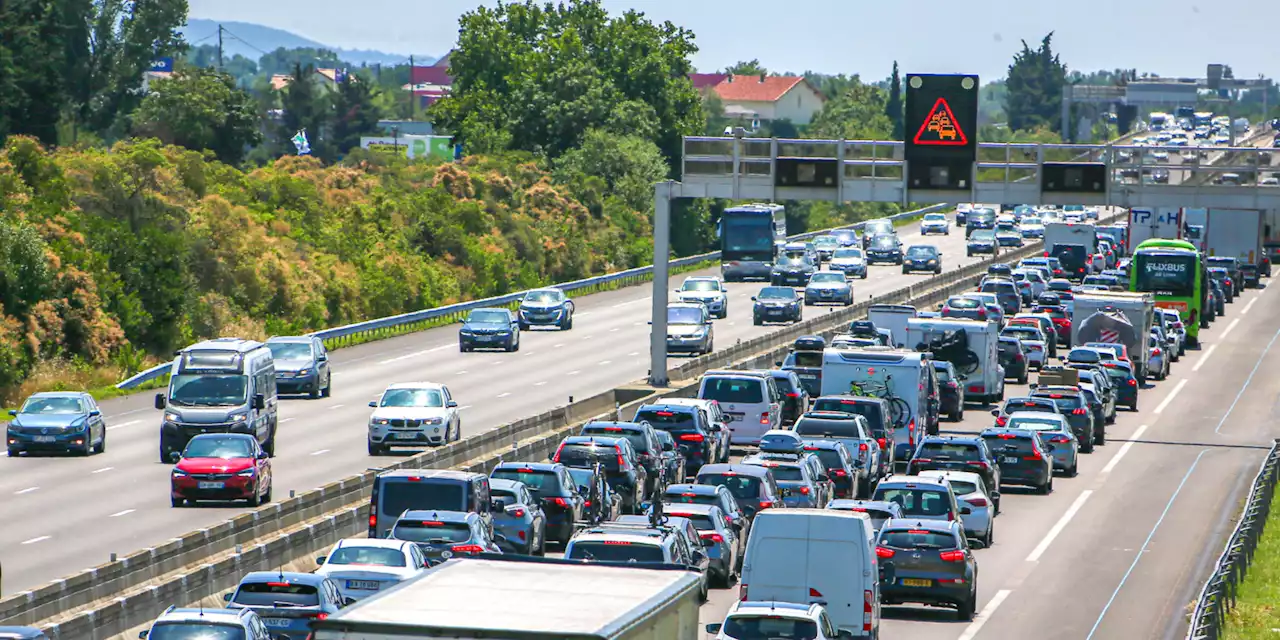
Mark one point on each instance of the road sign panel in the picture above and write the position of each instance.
(941, 124)
(940, 128)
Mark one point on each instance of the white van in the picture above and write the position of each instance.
(811, 555)
(903, 378)
(750, 400)
(977, 364)
(894, 318)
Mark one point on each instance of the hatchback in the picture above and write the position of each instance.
(288, 601)
(957, 453)
(879, 511)
(622, 469)
(931, 563)
(800, 488)
(710, 494)
(563, 506)
(971, 490)
(1056, 437)
(846, 473)
(1014, 357)
(441, 535)
(1024, 403)
(221, 466)
(754, 487)
(1075, 408)
(1022, 458)
(1126, 384)
(518, 516)
(923, 498)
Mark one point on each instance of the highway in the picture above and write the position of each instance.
(65, 514)
(1120, 550)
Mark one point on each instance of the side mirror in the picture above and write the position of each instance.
(713, 629)
(995, 412)
(753, 298)
(13, 412)
(373, 403)
(452, 404)
(964, 511)
(160, 403)
(320, 560)
(95, 413)
(976, 543)
(226, 597)
(263, 455)
(667, 446)
(259, 401)
(324, 357)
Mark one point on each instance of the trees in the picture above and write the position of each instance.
(1034, 87)
(33, 91)
(199, 109)
(747, 68)
(893, 107)
(857, 114)
(355, 113)
(304, 108)
(538, 77)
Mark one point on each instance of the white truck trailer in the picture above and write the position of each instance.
(1088, 323)
(1146, 223)
(1081, 233)
(526, 599)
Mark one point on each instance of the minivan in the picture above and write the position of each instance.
(226, 385)
(811, 555)
(400, 490)
(750, 399)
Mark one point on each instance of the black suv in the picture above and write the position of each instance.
(795, 398)
(643, 441)
(1022, 457)
(555, 488)
(686, 425)
(1013, 357)
(622, 469)
(1075, 408)
(958, 453)
(927, 561)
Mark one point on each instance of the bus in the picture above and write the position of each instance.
(1203, 119)
(1175, 273)
(750, 236)
(1158, 121)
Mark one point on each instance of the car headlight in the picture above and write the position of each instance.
(248, 473)
(465, 332)
(179, 473)
(239, 417)
(379, 421)
(303, 372)
(433, 421)
(933, 261)
(172, 417)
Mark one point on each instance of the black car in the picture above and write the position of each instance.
(951, 395)
(1013, 357)
(1125, 382)
(1222, 277)
(1075, 408)
(600, 502)
(552, 484)
(980, 218)
(643, 439)
(922, 257)
(981, 241)
(927, 561)
(692, 437)
(795, 398)
(1022, 458)
(958, 453)
(777, 304)
(884, 248)
(792, 270)
(624, 472)
(489, 328)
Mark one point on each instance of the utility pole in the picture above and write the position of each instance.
(411, 87)
(219, 46)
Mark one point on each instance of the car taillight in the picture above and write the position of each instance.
(793, 395)
(468, 548)
(862, 446)
(880, 441)
(764, 418)
(1017, 357)
(1059, 439)
(1078, 412)
(839, 473)
(692, 437)
(519, 513)
(977, 502)
(804, 491)
(868, 602)
(559, 502)
(978, 463)
(765, 504)
(373, 520)
(742, 592)
(975, 388)
(556, 457)
(952, 556)
(982, 313)
(1035, 455)
(919, 461)
(320, 615)
(882, 552)
(951, 517)
(622, 463)
(1001, 421)
(714, 537)
(1132, 382)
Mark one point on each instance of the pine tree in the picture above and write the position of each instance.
(893, 108)
(303, 109)
(354, 113)
(1034, 86)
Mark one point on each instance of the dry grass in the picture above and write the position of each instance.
(66, 375)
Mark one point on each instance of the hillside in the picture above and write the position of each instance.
(252, 40)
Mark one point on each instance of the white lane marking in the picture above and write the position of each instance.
(1059, 526)
(1115, 460)
(633, 354)
(529, 354)
(461, 373)
(27, 490)
(465, 406)
(504, 394)
(615, 329)
(284, 420)
(637, 324)
(320, 452)
(103, 470)
(586, 337)
(558, 346)
(1172, 394)
(604, 362)
(1204, 358)
(133, 411)
(35, 540)
(415, 354)
(1247, 381)
(630, 302)
(1229, 328)
(1143, 549)
(573, 373)
(1247, 307)
(539, 384)
(732, 322)
(337, 406)
(121, 513)
(982, 617)
(123, 425)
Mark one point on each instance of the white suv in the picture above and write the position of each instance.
(777, 619)
(196, 624)
(413, 414)
(708, 290)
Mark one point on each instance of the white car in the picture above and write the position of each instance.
(935, 223)
(708, 290)
(828, 287)
(1031, 227)
(1034, 340)
(972, 492)
(413, 414)
(363, 567)
(750, 620)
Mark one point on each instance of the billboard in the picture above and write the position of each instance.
(410, 146)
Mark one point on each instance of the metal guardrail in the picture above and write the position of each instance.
(1218, 597)
(456, 312)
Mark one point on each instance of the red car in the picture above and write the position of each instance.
(223, 467)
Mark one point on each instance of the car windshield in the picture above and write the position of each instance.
(964, 303)
(885, 241)
(827, 276)
(830, 458)
(742, 487)
(665, 418)
(208, 390)
(487, 316)
(192, 630)
(945, 451)
(935, 216)
(916, 502)
(784, 473)
(268, 594)
(1027, 333)
(218, 447)
(983, 234)
(1030, 221)
(290, 350)
(777, 293)
(700, 285)
(684, 315)
(543, 297)
(701, 521)
(538, 482)
(429, 531)
(921, 252)
(616, 551)
(375, 556)
(847, 253)
(762, 627)
(676, 496)
(826, 241)
(422, 398)
(794, 261)
(53, 405)
(877, 226)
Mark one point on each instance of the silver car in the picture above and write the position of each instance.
(1055, 434)
(980, 521)
(1157, 356)
(850, 261)
(689, 328)
(708, 290)
(828, 287)
(935, 223)
(518, 516)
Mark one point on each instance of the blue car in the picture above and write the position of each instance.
(492, 328)
(288, 601)
(546, 307)
(62, 421)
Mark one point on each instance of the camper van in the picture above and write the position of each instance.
(894, 318)
(903, 378)
(970, 345)
(227, 385)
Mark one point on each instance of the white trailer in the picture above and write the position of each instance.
(1235, 233)
(1138, 308)
(1082, 233)
(893, 317)
(526, 599)
(977, 363)
(1146, 223)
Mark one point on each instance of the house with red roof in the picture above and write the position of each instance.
(769, 98)
(429, 84)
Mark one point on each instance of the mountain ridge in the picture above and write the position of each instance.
(252, 40)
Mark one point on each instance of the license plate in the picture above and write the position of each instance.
(1009, 460)
(212, 485)
(45, 439)
(485, 338)
(404, 436)
(371, 585)
(733, 417)
(276, 622)
(912, 582)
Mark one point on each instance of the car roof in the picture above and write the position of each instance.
(1038, 415)
(211, 614)
(683, 402)
(707, 489)
(621, 532)
(898, 479)
(415, 385)
(775, 609)
(594, 440)
(431, 474)
(623, 426)
(956, 439)
(502, 309)
(536, 466)
(940, 526)
(823, 444)
(292, 339)
(846, 504)
(505, 483)
(381, 543)
(685, 507)
(212, 436)
(545, 289)
(439, 516)
(295, 577)
(962, 476)
(58, 394)
(734, 468)
(773, 460)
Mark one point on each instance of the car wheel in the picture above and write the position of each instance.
(462, 348)
(177, 503)
(990, 538)
(524, 326)
(1074, 470)
(270, 445)
(375, 450)
(1134, 407)
(101, 447)
(328, 387)
(1087, 447)
(266, 497)
(314, 393)
(964, 610)
(756, 321)
(253, 500)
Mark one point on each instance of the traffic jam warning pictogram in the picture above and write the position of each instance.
(941, 128)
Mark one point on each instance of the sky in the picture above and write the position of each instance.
(1171, 37)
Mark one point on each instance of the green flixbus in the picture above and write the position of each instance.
(1174, 272)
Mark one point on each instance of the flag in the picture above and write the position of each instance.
(300, 141)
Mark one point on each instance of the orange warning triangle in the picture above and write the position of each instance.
(940, 128)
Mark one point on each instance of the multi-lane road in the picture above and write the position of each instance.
(65, 514)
